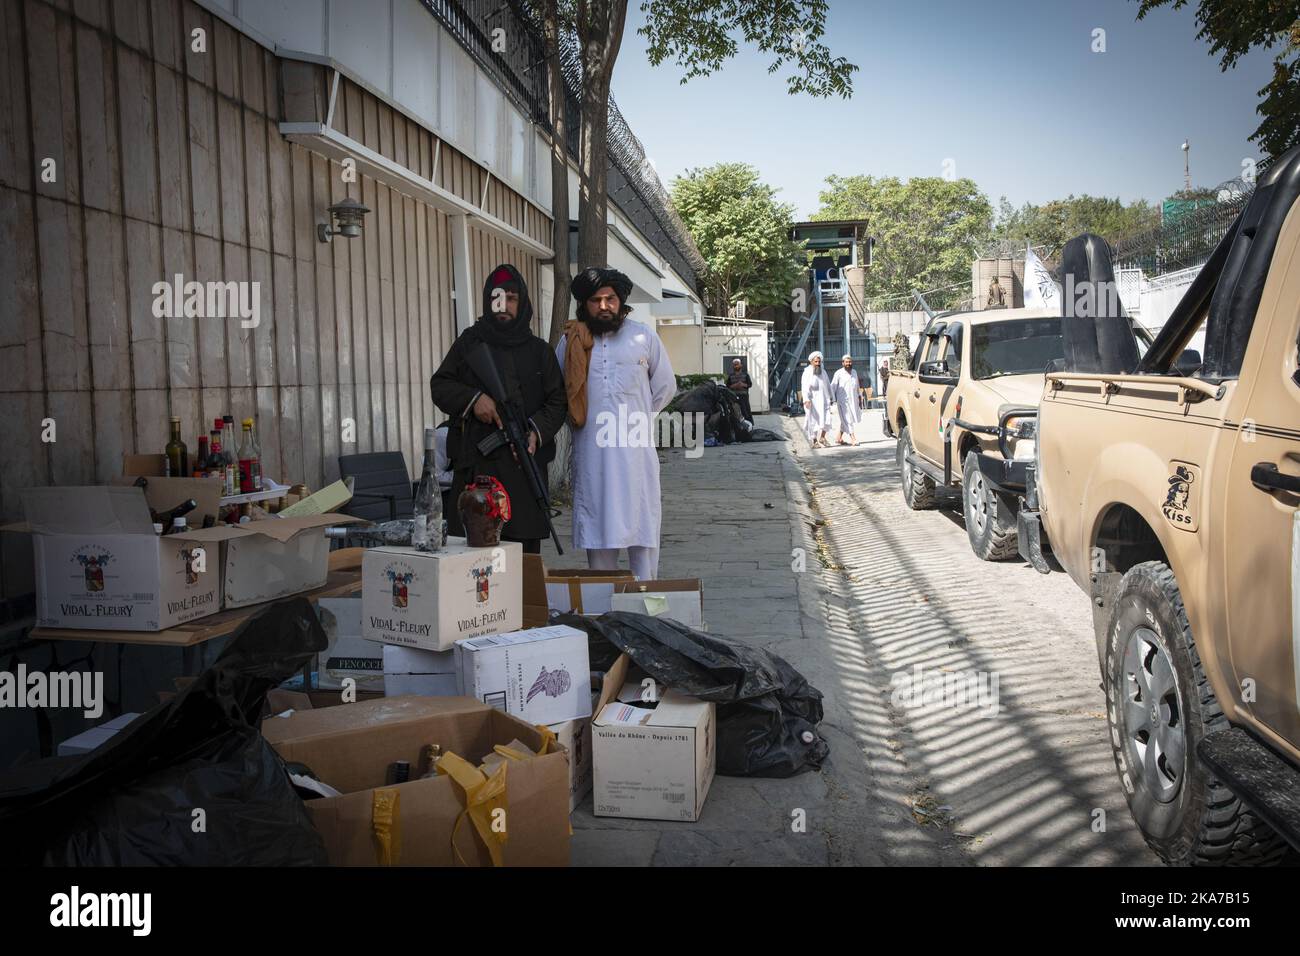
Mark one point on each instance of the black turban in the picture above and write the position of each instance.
(586, 282)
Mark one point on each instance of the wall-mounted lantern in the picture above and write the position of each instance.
(347, 216)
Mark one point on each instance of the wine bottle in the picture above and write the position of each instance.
(426, 530)
(178, 456)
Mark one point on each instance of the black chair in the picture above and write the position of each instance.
(382, 489)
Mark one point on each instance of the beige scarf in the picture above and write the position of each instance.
(577, 357)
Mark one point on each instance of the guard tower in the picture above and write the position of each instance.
(835, 245)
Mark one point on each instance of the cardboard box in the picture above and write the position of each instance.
(279, 700)
(542, 675)
(351, 747)
(432, 599)
(99, 565)
(413, 670)
(575, 736)
(681, 599)
(653, 764)
(348, 655)
(536, 610)
(275, 557)
(582, 590)
(88, 740)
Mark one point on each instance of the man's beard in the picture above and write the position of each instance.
(603, 324)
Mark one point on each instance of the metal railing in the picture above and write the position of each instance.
(633, 184)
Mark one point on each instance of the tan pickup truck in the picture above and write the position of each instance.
(1167, 483)
(972, 377)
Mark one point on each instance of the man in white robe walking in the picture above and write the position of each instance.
(817, 401)
(617, 377)
(844, 386)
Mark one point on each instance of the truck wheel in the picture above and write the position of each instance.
(990, 522)
(1159, 705)
(918, 489)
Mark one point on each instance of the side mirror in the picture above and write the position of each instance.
(937, 369)
(1188, 361)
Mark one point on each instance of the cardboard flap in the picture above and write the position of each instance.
(678, 710)
(614, 680)
(667, 584)
(534, 580)
(96, 509)
(163, 494)
(282, 529)
(303, 725)
(222, 532)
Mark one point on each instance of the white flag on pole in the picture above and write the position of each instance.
(1041, 292)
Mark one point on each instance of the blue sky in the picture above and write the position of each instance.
(1010, 91)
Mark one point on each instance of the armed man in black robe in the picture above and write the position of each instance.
(533, 383)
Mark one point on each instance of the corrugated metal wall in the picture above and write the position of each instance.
(170, 161)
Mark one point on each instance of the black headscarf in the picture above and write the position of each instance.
(511, 332)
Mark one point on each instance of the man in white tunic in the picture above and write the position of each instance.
(845, 386)
(817, 401)
(617, 377)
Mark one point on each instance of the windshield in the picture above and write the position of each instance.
(1015, 347)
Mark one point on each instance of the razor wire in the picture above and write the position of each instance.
(520, 68)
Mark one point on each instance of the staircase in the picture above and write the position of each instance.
(832, 300)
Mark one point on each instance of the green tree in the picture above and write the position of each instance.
(697, 35)
(926, 230)
(742, 232)
(1053, 223)
(1233, 28)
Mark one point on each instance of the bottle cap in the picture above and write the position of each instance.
(216, 424)
(157, 527)
(178, 522)
(248, 423)
(176, 419)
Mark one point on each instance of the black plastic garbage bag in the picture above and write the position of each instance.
(723, 419)
(767, 712)
(134, 800)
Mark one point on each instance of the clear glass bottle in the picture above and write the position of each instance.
(426, 533)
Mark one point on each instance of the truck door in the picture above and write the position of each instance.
(1261, 539)
(928, 393)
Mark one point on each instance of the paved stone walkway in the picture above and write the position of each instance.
(733, 518)
(883, 590)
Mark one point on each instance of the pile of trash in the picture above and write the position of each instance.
(723, 422)
(767, 711)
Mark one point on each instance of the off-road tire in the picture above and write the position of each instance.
(990, 522)
(918, 489)
(1198, 822)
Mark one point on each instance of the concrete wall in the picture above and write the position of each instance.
(885, 324)
(171, 161)
(684, 346)
(750, 341)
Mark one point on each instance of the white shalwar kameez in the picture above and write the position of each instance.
(616, 501)
(845, 388)
(816, 390)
